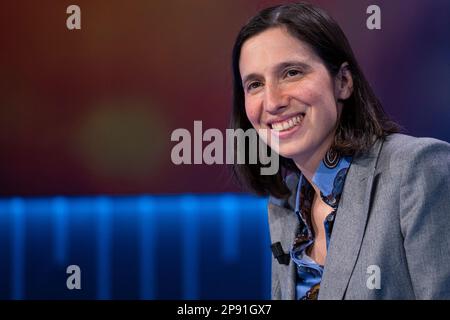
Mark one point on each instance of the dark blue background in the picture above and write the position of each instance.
(149, 247)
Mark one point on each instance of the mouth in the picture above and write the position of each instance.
(287, 124)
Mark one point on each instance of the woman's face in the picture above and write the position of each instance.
(289, 91)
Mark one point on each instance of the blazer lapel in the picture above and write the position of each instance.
(349, 226)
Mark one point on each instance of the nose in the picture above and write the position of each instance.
(275, 100)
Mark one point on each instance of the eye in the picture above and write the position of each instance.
(292, 73)
(253, 85)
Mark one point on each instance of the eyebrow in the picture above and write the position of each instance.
(278, 68)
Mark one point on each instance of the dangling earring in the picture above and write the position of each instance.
(331, 159)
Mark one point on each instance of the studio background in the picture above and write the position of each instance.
(86, 116)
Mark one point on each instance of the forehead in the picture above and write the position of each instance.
(272, 47)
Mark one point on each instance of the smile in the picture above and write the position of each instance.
(288, 123)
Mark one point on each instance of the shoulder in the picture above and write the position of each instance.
(403, 142)
(400, 151)
(421, 169)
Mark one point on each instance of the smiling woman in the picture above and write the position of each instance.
(353, 195)
(288, 83)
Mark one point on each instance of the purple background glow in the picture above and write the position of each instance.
(91, 111)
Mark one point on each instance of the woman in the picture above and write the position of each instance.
(357, 210)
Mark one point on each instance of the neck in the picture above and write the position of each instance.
(309, 163)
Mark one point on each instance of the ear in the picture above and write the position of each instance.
(343, 83)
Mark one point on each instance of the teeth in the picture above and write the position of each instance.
(287, 124)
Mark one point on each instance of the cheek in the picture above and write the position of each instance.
(323, 109)
(317, 91)
(324, 115)
(253, 114)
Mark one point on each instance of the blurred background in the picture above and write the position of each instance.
(85, 122)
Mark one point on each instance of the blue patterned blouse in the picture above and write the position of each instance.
(329, 178)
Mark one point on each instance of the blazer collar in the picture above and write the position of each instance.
(349, 225)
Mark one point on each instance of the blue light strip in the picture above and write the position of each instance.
(157, 216)
(190, 247)
(266, 252)
(103, 205)
(147, 254)
(230, 228)
(60, 211)
(18, 248)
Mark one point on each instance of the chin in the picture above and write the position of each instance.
(290, 153)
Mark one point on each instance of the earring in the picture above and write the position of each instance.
(331, 159)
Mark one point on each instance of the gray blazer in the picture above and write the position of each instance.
(391, 236)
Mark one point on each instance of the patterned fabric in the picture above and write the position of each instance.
(329, 178)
